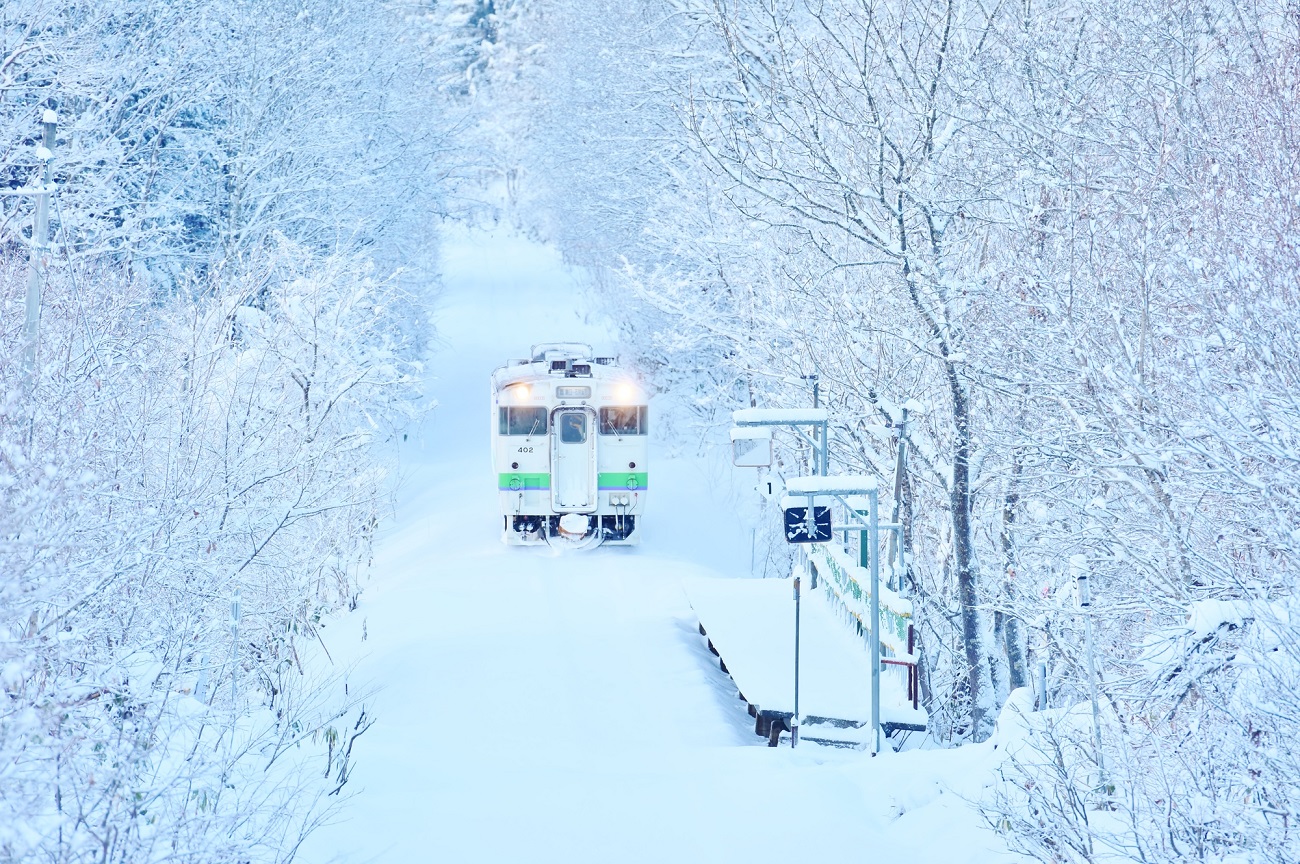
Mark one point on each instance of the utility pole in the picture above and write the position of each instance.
(36, 263)
(821, 449)
(896, 550)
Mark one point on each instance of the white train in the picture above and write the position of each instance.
(569, 446)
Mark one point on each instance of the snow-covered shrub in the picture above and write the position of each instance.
(1201, 769)
(174, 456)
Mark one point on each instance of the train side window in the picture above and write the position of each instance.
(573, 428)
(623, 420)
(523, 420)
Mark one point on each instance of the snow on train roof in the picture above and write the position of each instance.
(559, 360)
(547, 350)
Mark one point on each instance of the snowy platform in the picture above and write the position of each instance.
(749, 624)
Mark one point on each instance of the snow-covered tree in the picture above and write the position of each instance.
(227, 355)
(164, 466)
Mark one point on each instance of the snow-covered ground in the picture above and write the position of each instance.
(534, 706)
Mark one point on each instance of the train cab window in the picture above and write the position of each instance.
(523, 420)
(573, 427)
(623, 420)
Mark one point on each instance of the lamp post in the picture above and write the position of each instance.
(1083, 596)
(40, 230)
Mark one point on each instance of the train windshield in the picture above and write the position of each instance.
(523, 420)
(573, 427)
(629, 420)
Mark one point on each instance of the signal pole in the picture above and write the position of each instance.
(40, 246)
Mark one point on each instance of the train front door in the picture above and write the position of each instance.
(573, 461)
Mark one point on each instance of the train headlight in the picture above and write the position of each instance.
(520, 392)
(626, 392)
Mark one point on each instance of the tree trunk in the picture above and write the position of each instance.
(997, 670)
(1012, 635)
(972, 622)
(979, 672)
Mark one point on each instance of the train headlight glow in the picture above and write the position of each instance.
(520, 392)
(625, 392)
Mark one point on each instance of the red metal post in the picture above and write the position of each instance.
(913, 674)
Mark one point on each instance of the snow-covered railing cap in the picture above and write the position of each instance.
(780, 416)
(843, 484)
(750, 433)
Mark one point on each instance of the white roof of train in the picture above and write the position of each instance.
(559, 360)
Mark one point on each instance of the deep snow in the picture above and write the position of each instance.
(534, 706)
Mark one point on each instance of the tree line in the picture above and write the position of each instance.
(230, 345)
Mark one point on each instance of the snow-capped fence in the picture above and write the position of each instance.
(848, 590)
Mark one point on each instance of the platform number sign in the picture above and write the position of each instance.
(796, 525)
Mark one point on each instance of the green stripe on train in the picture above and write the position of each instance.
(621, 480)
(514, 482)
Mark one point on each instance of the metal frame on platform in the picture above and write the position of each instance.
(839, 488)
(868, 486)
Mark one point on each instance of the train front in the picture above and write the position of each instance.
(570, 440)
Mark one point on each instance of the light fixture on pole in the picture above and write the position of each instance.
(1083, 596)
